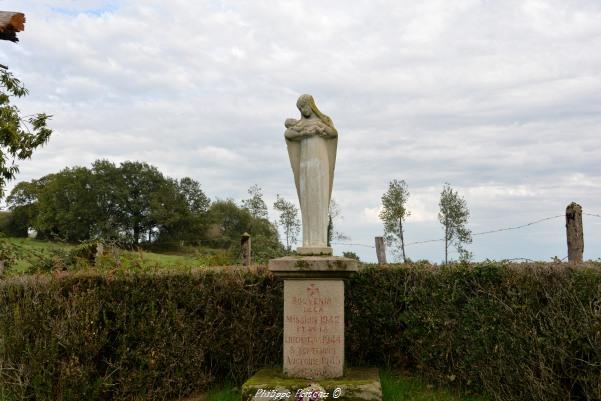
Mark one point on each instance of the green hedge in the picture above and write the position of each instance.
(516, 332)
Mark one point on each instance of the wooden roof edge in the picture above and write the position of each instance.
(11, 22)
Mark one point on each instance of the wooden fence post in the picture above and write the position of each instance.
(245, 245)
(99, 253)
(380, 250)
(574, 232)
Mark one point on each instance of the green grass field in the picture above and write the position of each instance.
(397, 387)
(34, 256)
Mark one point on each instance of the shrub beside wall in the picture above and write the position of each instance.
(517, 332)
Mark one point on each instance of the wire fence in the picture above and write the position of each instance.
(477, 234)
(199, 241)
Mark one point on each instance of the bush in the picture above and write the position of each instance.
(517, 332)
(133, 336)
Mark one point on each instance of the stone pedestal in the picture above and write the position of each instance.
(313, 267)
(314, 366)
(313, 328)
(314, 250)
(358, 384)
(313, 314)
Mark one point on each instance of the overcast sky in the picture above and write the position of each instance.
(502, 99)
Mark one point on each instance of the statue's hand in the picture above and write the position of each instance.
(323, 132)
(311, 130)
(319, 129)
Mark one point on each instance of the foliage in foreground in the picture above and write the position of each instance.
(19, 135)
(515, 332)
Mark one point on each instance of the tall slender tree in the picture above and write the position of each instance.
(288, 220)
(334, 214)
(255, 204)
(454, 216)
(393, 214)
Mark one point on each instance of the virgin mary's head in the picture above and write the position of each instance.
(306, 105)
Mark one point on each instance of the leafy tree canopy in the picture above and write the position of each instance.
(132, 203)
(19, 135)
(288, 220)
(255, 204)
(393, 214)
(454, 216)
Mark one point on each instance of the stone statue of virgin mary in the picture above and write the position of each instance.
(312, 141)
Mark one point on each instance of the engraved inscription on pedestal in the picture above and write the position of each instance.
(314, 328)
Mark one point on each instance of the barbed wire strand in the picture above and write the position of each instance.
(592, 214)
(475, 234)
(516, 227)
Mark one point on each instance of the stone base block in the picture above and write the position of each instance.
(271, 385)
(313, 266)
(314, 328)
(314, 250)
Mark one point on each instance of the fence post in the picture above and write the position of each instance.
(99, 253)
(245, 245)
(380, 250)
(574, 232)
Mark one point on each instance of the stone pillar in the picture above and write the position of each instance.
(313, 314)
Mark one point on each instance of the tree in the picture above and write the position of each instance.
(23, 205)
(140, 183)
(184, 215)
(67, 207)
(195, 198)
(334, 213)
(131, 203)
(228, 222)
(454, 216)
(180, 211)
(393, 214)
(110, 192)
(255, 204)
(19, 135)
(288, 220)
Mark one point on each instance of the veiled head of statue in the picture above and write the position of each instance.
(306, 105)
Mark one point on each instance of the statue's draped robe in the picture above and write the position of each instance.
(313, 159)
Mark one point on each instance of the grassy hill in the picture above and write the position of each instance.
(27, 255)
